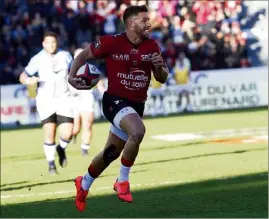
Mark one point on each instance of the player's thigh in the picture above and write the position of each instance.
(124, 115)
(133, 125)
(65, 126)
(77, 124)
(87, 119)
(49, 126)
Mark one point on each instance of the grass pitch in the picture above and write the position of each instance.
(189, 178)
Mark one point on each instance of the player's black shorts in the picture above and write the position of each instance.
(112, 105)
(58, 119)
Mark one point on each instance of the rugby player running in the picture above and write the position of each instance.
(130, 58)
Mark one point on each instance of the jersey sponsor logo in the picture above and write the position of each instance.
(146, 58)
(96, 44)
(134, 80)
(134, 51)
(121, 57)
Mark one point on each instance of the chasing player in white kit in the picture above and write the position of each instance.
(53, 96)
(83, 103)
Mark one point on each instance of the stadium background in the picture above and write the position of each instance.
(220, 157)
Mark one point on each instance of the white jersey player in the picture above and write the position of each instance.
(83, 102)
(53, 98)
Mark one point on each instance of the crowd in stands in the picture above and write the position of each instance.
(208, 32)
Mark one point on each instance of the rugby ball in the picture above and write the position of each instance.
(89, 73)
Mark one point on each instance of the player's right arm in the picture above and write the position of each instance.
(96, 50)
(26, 77)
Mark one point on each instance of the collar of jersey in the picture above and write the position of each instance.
(135, 45)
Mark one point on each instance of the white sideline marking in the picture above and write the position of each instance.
(211, 134)
(110, 187)
(178, 137)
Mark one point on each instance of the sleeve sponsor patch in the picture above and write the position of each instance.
(96, 44)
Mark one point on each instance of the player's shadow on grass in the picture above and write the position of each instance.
(30, 186)
(200, 155)
(16, 183)
(239, 197)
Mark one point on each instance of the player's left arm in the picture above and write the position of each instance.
(160, 70)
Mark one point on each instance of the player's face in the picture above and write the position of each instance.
(142, 25)
(50, 44)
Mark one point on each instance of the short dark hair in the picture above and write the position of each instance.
(49, 34)
(133, 10)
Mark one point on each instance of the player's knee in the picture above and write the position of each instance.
(66, 136)
(110, 154)
(137, 135)
(66, 133)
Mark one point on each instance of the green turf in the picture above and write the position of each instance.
(170, 179)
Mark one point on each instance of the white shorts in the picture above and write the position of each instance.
(119, 133)
(97, 94)
(157, 92)
(48, 106)
(183, 87)
(83, 102)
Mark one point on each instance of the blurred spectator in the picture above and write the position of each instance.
(181, 77)
(203, 9)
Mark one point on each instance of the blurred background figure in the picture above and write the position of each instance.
(181, 77)
(83, 103)
(49, 68)
(31, 95)
(157, 92)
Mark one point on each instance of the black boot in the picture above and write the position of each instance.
(62, 156)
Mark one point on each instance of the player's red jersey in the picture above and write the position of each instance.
(128, 66)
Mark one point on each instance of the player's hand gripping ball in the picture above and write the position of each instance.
(89, 75)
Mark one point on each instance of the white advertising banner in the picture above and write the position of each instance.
(15, 106)
(214, 90)
(15, 110)
(230, 89)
